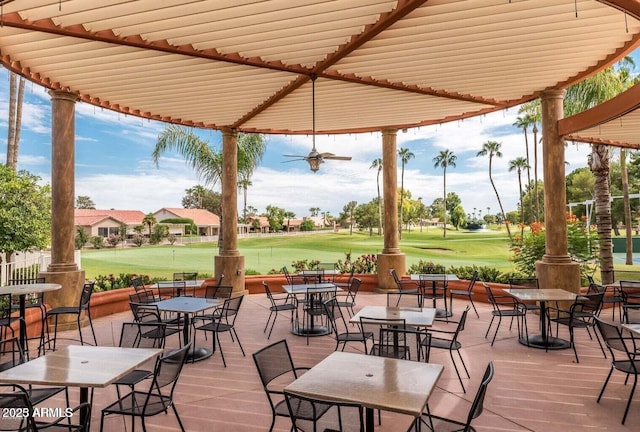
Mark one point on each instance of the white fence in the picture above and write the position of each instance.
(27, 265)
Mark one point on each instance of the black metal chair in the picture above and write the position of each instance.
(170, 289)
(347, 299)
(224, 322)
(340, 328)
(140, 335)
(404, 287)
(504, 306)
(581, 314)
(145, 313)
(434, 287)
(615, 299)
(308, 414)
(281, 302)
(371, 325)
(437, 423)
(83, 308)
(17, 399)
(314, 313)
(624, 358)
(398, 342)
(447, 339)
(468, 293)
(291, 278)
(276, 370)
(158, 398)
(187, 276)
(630, 293)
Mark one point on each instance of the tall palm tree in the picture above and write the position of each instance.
(582, 96)
(377, 163)
(16, 97)
(244, 184)
(204, 159)
(149, 220)
(314, 211)
(491, 149)
(533, 113)
(405, 155)
(518, 164)
(523, 122)
(444, 159)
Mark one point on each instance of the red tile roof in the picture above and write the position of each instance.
(91, 216)
(200, 217)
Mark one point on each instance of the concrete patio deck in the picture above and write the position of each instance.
(533, 390)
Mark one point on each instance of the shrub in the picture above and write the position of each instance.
(97, 242)
(123, 280)
(113, 240)
(138, 239)
(172, 238)
(81, 238)
(424, 267)
(367, 263)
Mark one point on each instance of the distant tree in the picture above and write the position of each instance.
(492, 149)
(366, 215)
(518, 164)
(244, 184)
(82, 237)
(25, 212)
(288, 216)
(377, 164)
(275, 216)
(252, 212)
(114, 239)
(348, 210)
(149, 220)
(97, 242)
(307, 225)
(314, 211)
(445, 159)
(405, 156)
(85, 202)
(138, 239)
(458, 217)
(159, 233)
(122, 230)
(199, 197)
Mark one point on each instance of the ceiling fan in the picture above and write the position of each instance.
(315, 158)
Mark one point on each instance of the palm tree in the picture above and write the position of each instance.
(149, 220)
(16, 97)
(314, 211)
(523, 123)
(534, 115)
(205, 160)
(405, 155)
(444, 159)
(377, 163)
(582, 96)
(244, 184)
(492, 148)
(518, 164)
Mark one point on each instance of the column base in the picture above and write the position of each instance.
(387, 262)
(232, 267)
(557, 275)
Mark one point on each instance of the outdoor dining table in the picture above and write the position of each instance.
(317, 274)
(81, 366)
(418, 317)
(384, 383)
(633, 328)
(188, 307)
(22, 291)
(183, 284)
(542, 341)
(318, 288)
(434, 278)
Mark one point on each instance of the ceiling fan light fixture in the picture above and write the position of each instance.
(314, 163)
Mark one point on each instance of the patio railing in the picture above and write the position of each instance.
(27, 265)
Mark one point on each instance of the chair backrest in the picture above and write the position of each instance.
(145, 312)
(230, 308)
(395, 277)
(630, 291)
(166, 374)
(621, 347)
(221, 292)
(373, 325)
(267, 290)
(353, 289)
(306, 412)
(478, 401)
(589, 303)
(142, 335)
(335, 315)
(85, 295)
(524, 283)
(11, 353)
(472, 282)
(274, 361)
(138, 283)
(143, 296)
(490, 296)
(287, 275)
(17, 399)
(185, 276)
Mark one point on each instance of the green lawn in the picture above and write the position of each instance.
(267, 253)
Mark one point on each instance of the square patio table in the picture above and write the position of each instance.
(419, 317)
(434, 278)
(81, 366)
(188, 307)
(317, 288)
(542, 341)
(184, 284)
(384, 383)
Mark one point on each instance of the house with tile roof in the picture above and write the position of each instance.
(105, 222)
(208, 223)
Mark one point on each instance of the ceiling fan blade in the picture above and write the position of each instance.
(338, 158)
(326, 155)
(295, 156)
(293, 160)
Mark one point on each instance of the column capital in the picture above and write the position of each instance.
(389, 131)
(553, 93)
(64, 94)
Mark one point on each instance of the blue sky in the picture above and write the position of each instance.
(114, 167)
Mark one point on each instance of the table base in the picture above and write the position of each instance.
(311, 331)
(198, 354)
(551, 343)
(441, 313)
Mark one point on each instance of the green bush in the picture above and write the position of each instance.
(97, 242)
(426, 267)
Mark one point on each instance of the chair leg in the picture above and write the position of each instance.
(177, 417)
(633, 389)
(606, 381)
(455, 367)
(472, 305)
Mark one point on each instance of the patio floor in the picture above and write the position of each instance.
(533, 390)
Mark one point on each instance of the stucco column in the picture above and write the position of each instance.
(229, 261)
(556, 270)
(63, 269)
(391, 257)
